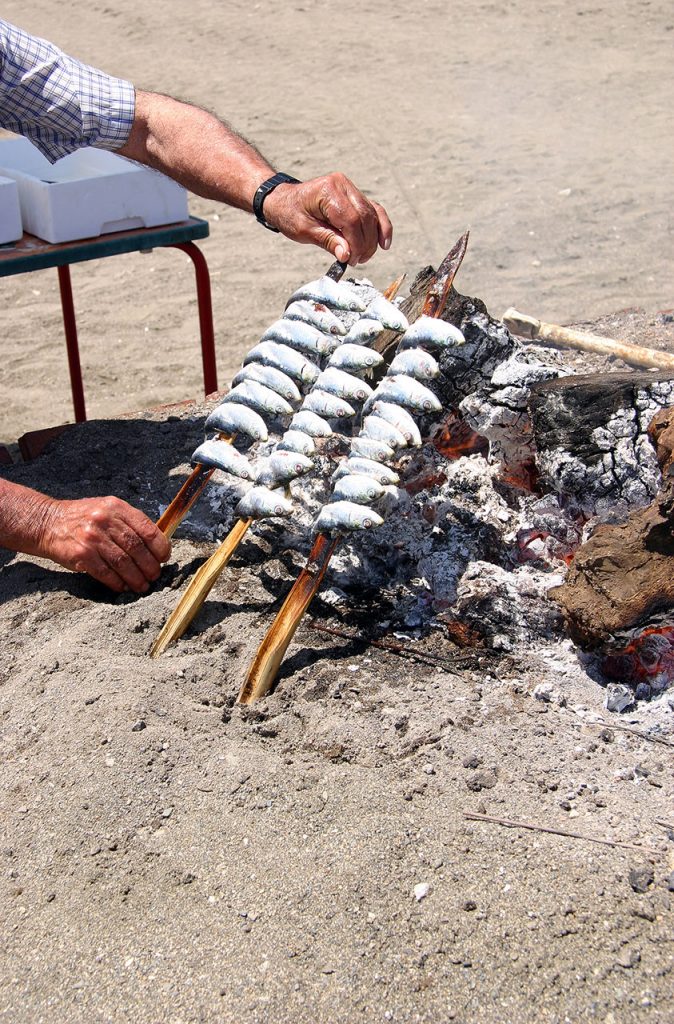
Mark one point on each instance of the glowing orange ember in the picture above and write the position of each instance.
(456, 438)
(647, 658)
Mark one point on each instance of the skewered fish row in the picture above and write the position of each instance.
(388, 427)
(283, 365)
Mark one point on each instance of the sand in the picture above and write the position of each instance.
(544, 127)
(170, 857)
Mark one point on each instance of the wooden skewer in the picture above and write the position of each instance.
(266, 663)
(566, 337)
(171, 519)
(199, 588)
(204, 580)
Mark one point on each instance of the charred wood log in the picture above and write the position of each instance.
(621, 577)
(591, 438)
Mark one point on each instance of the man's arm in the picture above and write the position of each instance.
(210, 159)
(105, 537)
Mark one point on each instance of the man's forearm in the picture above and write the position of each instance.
(24, 514)
(196, 149)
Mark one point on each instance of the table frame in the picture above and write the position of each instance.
(31, 253)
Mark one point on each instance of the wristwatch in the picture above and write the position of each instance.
(265, 188)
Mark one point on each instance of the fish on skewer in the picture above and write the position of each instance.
(434, 333)
(237, 419)
(363, 331)
(325, 404)
(356, 464)
(220, 455)
(297, 441)
(316, 314)
(358, 488)
(281, 467)
(302, 337)
(272, 378)
(333, 294)
(346, 515)
(406, 391)
(382, 309)
(262, 503)
(310, 423)
(343, 385)
(368, 448)
(399, 418)
(414, 362)
(290, 362)
(258, 397)
(379, 429)
(354, 358)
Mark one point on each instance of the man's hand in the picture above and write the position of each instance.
(212, 160)
(105, 537)
(332, 213)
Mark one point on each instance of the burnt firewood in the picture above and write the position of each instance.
(591, 438)
(621, 577)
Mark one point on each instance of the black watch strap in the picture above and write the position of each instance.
(265, 188)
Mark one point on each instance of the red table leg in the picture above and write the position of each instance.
(70, 328)
(205, 313)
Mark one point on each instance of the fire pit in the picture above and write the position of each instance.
(528, 462)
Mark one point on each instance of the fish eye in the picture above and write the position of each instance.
(367, 523)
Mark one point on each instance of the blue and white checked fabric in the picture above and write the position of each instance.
(57, 102)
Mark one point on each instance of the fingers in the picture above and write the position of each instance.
(109, 540)
(332, 213)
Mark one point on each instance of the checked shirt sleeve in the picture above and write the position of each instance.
(57, 102)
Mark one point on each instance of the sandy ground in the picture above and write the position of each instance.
(168, 857)
(544, 127)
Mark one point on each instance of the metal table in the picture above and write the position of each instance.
(31, 253)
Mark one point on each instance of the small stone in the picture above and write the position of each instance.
(472, 761)
(421, 891)
(428, 769)
(670, 882)
(641, 878)
(109, 762)
(618, 697)
(544, 692)
(469, 905)
(628, 958)
(481, 780)
(139, 726)
(167, 812)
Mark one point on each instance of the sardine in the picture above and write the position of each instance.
(357, 487)
(281, 467)
(271, 378)
(316, 314)
(302, 337)
(414, 362)
(400, 419)
(388, 313)
(261, 502)
(405, 391)
(237, 419)
(311, 424)
(221, 455)
(334, 294)
(327, 405)
(355, 358)
(428, 330)
(258, 397)
(287, 360)
(364, 331)
(343, 385)
(370, 449)
(346, 515)
(380, 430)
(377, 470)
(297, 441)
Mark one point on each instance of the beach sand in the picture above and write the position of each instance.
(168, 857)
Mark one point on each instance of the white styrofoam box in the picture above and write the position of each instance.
(11, 228)
(90, 192)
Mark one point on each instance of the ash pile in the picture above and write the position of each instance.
(531, 515)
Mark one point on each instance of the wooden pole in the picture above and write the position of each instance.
(566, 337)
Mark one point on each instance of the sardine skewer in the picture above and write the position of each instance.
(200, 586)
(266, 663)
(173, 516)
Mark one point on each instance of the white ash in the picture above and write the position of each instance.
(467, 368)
(499, 411)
